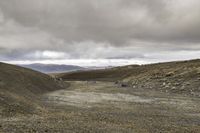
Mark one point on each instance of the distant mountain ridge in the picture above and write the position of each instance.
(52, 68)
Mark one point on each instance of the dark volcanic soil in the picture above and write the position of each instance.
(156, 98)
(107, 107)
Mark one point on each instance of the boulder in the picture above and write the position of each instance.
(124, 85)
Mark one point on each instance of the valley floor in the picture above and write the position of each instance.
(108, 107)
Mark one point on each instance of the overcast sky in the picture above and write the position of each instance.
(99, 32)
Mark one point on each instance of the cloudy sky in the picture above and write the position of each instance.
(99, 32)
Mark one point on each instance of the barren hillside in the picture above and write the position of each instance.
(21, 88)
(178, 77)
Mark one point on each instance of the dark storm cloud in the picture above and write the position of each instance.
(99, 28)
(115, 21)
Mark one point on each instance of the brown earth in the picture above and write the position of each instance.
(157, 98)
(176, 77)
(20, 90)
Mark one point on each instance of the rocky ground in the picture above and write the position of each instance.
(175, 77)
(108, 107)
(155, 98)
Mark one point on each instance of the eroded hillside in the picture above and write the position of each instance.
(20, 90)
(141, 99)
(177, 77)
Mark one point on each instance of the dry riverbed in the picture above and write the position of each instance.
(107, 107)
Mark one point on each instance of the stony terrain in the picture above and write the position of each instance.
(157, 98)
(107, 107)
(176, 77)
(21, 89)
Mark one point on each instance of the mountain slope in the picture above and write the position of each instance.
(20, 89)
(176, 77)
(53, 68)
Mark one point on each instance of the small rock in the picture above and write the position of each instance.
(169, 74)
(173, 88)
(167, 86)
(187, 83)
(124, 85)
(116, 82)
(177, 84)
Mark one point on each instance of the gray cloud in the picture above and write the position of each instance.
(98, 28)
